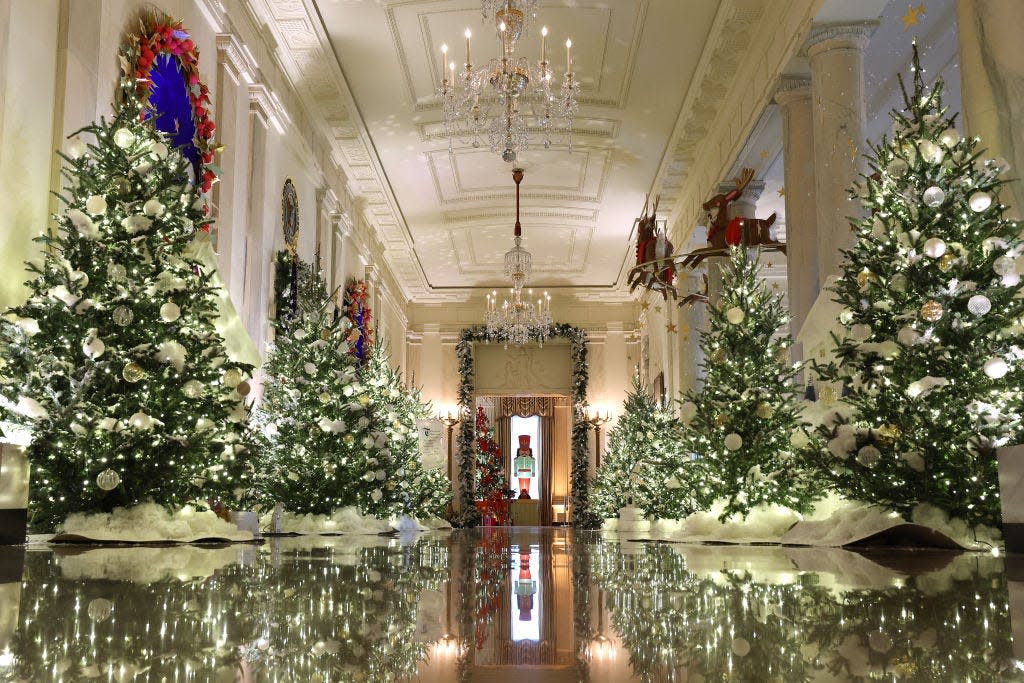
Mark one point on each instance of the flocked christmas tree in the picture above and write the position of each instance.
(408, 487)
(113, 362)
(312, 430)
(491, 482)
(643, 449)
(932, 314)
(741, 422)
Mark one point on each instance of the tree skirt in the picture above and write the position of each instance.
(148, 523)
(347, 520)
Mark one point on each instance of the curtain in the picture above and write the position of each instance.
(503, 434)
(547, 446)
(525, 406)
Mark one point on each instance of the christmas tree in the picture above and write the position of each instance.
(491, 482)
(113, 363)
(741, 422)
(312, 429)
(636, 470)
(932, 318)
(409, 488)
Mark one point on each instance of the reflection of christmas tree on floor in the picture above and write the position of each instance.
(114, 362)
(930, 351)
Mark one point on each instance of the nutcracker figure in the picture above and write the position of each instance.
(525, 466)
(525, 587)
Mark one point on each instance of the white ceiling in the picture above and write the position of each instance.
(635, 58)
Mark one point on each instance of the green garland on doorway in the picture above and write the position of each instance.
(579, 481)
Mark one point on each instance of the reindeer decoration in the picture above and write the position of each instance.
(654, 261)
(724, 233)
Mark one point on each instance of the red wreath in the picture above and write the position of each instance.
(164, 35)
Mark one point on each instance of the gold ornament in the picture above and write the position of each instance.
(325, 398)
(828, 394)
(763, 411)
(718, 355)
(865, 277)
(782, 355)
(133, 372)
(931, 311)
(887, 434)
(232, 377)
(945, 262)
(243, 388)
(721, 420)
(325, 334)
(108, 479)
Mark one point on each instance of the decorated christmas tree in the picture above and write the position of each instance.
(931, 349)
(491, 482)
(409, 488)
(113, 363)
(316, 452)
(741, 422)
(638, 469)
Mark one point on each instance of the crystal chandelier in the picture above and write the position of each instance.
(517, 321)
(487, 103)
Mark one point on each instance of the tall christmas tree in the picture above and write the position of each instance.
(643, 447)
(408, 488)
(312, 429)
(741, 422)
(113, 363)
(491, 481)
(931, 353)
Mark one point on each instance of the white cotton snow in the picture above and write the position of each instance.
(149, 523)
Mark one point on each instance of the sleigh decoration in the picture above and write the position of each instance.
(656, 265)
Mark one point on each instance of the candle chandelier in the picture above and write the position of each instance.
(517, 321)
(488, 103)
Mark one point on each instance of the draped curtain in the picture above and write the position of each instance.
(530, 406)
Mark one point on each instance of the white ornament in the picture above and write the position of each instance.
(925, 386)
(158, 150)
(846, 316)
(740, 647)
(93, 347)
(934, 196)
(100, 609)
(310, 369)
(930, 151)
(170, 312)
(108, 479)
(172, 353)
(733, 441)
(996, 368)
(96, 204)
(83, 224)
(1004, 265)
(688, 411)
(30, 326)
(300, 334)
(868, 456)
(979, 305)
(860, 332)
(908, 336)
(108, 424)
(735, 315)
(949, 137)
(798, 438)
(934, 247)
(141, 421)
(76, 148)
(1010, 280)
(376, 495)
(979, 201)
(124, 138)
(193, 388)
(232, 377)
(152, 207)
(896, 167)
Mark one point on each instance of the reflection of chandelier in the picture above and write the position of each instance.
(518, 321)
(488, 102)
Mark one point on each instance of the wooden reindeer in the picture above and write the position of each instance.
(724, 233)
(654, 267)
(694, 297)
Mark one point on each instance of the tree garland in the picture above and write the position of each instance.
(357, 308)
(580, 484)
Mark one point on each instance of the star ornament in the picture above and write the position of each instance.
(911, 17)
(671, 328)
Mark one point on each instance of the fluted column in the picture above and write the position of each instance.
(992, 83)
(342, 237)
(794, 99)
(836, 54)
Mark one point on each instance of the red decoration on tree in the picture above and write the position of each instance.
(491, 483)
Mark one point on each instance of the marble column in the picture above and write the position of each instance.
(992, 83)
(342, 238)
(260, 236)
(691, 322)
(836, 54)
(794, 99)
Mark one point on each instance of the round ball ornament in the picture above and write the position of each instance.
(764, 410)
(898, 282)
(1004, 265)
(718, 355)
(232, 377)
(931, 311)
(945, 263)
(124, 138)
(721, 420)
(930, 151)
(325, 334)
(108, 479)
(688, 411)
(782, 355)
(96, 204)
(76, 148)
(828, 394)
(324, 397)
(733, 441)
(193, 388)
(996, 368)
(896, 167)
(979, 201)
(100, 609)
(170, 312)
(123, 316)
(741, 647)
(94, 348)
(133, 372)
(865, 278)
(887, 434)
(735, 315)
(243, 389)
(979, 305)
(868, 456)
(934, 196)
(934, 247)
(949, 137)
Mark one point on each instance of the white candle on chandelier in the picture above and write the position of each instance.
(469, 34)
(543, 44)
(568, 55)
(451, 68)
(444, 57)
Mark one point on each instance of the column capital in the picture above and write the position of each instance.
(839, 36)
(264, 104)
(371, 274)
(236, 56)
(792, 88)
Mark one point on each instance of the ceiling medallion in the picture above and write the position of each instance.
(487, 103)
(516, 321)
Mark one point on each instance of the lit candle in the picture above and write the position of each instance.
(543, 43)
(444, 57)
(451, 67)
(568, 55)
(469, 34)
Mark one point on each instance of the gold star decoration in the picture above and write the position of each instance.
(671, 328)
(775, 285)
(782, 192)
(684, 328)
(658, 308)
(910, 18)
(764, 154)
(644, 305)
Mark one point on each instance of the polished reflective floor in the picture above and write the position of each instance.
(506, 605)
